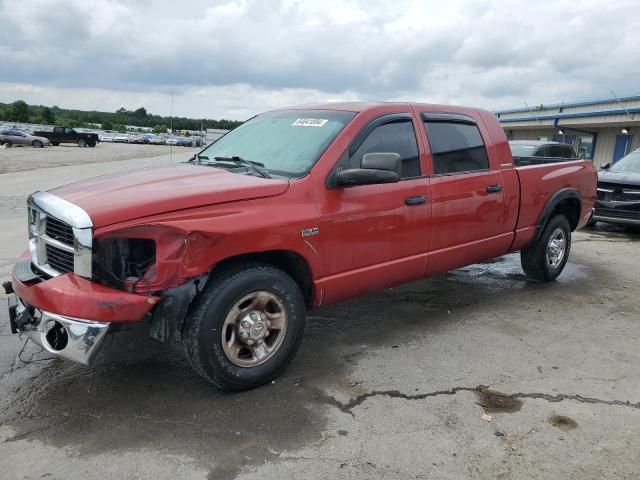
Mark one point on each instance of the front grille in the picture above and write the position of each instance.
(60, 236)
(618, 192)
(58, 230)
(59, 259)
(617, 213)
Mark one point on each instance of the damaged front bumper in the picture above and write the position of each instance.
(71, 338)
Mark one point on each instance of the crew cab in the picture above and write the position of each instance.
(293, 210)
(69, 135)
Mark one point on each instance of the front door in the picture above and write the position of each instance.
(375, 236)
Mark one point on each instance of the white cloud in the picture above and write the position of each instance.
(235, 58)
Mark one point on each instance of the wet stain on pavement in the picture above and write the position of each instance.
(492, 401)
(565, 424)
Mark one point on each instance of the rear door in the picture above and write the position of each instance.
(470, 218)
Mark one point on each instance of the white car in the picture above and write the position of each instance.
(172, 141)
(121, 138)
(104, 137)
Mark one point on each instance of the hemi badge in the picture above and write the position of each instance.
(309, 232)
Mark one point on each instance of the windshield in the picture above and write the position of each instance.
(522, 150)
(286, 143)
(630, 163)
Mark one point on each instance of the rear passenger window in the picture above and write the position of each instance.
(456, 147)
(542, 152)
(395, 137)
(560, 151)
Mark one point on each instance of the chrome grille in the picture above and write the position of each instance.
(58, 230)
(60, 236)
(58, 259)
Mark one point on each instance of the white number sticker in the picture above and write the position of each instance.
(309, 122)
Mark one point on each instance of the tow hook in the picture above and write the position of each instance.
(8, 287)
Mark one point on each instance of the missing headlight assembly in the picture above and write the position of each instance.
(123, 262)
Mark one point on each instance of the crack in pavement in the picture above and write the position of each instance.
(360, 399)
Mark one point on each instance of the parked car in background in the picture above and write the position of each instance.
(538, 152)
(140, 139)
(186, 142)
(157, 140)
(106, 137)
(121, 138)
(293, 210)
(69, 135)
(618, 193)
(171, 141)
(14, 136)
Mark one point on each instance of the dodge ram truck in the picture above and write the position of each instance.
(69, 135)
(293, 210)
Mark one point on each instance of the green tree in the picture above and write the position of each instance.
(107, 125)
(140, 113)
(119, 128)
(48, 116)
(160, 129)
(19, 111)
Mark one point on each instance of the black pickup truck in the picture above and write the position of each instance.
(69, 135)
(540, 152)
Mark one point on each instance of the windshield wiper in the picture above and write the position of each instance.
(253, 166)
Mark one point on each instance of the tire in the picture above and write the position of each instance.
(82, 143)
(213, 330)
(55, 144)
(36, 144)
(8, 144)
(92, 144)
(545, 260)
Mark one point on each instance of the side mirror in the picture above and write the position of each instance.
(382, 161)
(376, 168)
(606, 166)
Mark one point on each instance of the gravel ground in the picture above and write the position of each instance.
(19, 159)
(475, 374)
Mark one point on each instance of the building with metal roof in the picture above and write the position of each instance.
(604, 130)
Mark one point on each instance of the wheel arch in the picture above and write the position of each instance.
(290, 262)
(567, 202)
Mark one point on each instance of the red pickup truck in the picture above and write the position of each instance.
(295, 209)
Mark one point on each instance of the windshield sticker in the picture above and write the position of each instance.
(309, 122)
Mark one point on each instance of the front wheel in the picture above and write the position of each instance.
(245, 327)
(55, 144)
(37, 144)
(82, 143)
(544, 260)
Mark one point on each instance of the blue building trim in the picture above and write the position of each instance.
(570, 104)
(559, 116)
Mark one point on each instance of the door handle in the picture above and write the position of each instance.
(494, 188)
(417, 200)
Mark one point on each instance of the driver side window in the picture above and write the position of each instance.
(395, 137)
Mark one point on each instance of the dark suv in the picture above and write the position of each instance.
(535, 152)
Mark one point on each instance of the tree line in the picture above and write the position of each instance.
(20, 111)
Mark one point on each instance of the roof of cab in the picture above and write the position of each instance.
(364, 106)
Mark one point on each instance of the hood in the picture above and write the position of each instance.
(627, 178)
(126, 196)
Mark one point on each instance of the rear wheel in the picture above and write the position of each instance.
(55, 144)
(245, 327)
(37, 144)
(82, 143)
(8, 143)
(92, 143)
(545, 260)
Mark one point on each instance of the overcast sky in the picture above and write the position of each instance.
(233, 59)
